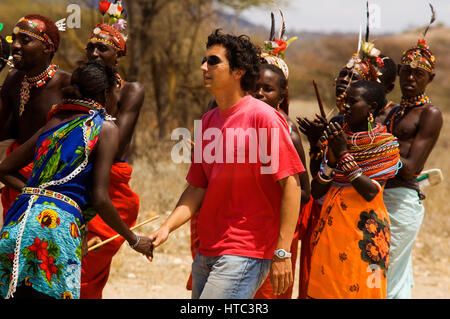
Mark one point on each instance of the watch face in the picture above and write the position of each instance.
(281, 253)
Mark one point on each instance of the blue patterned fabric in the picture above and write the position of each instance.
(50, 247)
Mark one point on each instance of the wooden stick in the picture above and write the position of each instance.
(190, 141)
(319, 99)
(116, 236)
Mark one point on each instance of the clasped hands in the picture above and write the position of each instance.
(319, 130)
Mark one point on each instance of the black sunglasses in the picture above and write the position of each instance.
(212, 60)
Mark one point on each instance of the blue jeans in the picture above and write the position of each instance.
(227, 276)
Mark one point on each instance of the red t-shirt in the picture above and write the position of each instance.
(240, 213)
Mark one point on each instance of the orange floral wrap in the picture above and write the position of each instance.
(350, 247)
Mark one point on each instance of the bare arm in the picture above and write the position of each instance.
(313, 131)
(188, 205)
(281, 275)
(18, 159)
(6, 113)
(430, 125)
(130, 106)
(106, 149)
(304, 177)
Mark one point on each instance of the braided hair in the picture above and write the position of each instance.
(90, 79)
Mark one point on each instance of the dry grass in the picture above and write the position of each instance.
(159, 183)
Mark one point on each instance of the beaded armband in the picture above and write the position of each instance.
(325, 174)
(349, 167)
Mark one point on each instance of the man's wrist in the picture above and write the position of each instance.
(282, 254)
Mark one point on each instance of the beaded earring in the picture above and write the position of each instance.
(370, 121)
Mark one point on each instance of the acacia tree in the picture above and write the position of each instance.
(166, 44)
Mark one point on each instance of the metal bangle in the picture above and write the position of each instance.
(327, 170)
(138, 238)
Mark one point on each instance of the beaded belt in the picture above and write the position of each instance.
(52, 194)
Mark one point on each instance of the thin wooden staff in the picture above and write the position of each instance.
(319, 99)
(116, 236)
(188, 141)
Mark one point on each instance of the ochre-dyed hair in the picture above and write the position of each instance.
(50, 28)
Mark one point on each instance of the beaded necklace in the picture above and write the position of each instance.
(38, 81)
(376, 155)
(86, 106)
(406, 105)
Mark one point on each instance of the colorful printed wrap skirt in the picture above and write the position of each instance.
(50, 248)
(350, 247)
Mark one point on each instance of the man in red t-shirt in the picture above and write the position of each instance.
(246, 195)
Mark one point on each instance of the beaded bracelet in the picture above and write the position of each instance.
(326, 170)
(354, 175)
(345, 156)
(322, 179)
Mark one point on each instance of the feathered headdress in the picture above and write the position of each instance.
(274, 48)
(420, 56)
(114, 26)
(366, 60)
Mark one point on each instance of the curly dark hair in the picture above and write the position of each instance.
(242, 54)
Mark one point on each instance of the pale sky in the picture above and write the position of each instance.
(347, 15)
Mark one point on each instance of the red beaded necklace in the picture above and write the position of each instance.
(82, 105)
(29, 83)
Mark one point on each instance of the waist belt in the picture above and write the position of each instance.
(52, 194)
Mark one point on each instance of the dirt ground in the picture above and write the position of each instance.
(132, 276)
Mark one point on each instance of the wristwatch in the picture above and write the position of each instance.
(281, 253)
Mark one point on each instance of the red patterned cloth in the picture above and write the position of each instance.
(305, 250)
(96, 265)
(9, 195)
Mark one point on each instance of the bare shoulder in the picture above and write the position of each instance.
(109, 128)
(11, 86)
(63, 77)
(431, 119)
(132, 88)
(431, 113)
(132, 95)
(14, 75)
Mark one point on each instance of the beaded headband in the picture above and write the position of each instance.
(367, 62)
(37, 25)
(420, 56)
(273, 50)
(113, 28)
(95, 38)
